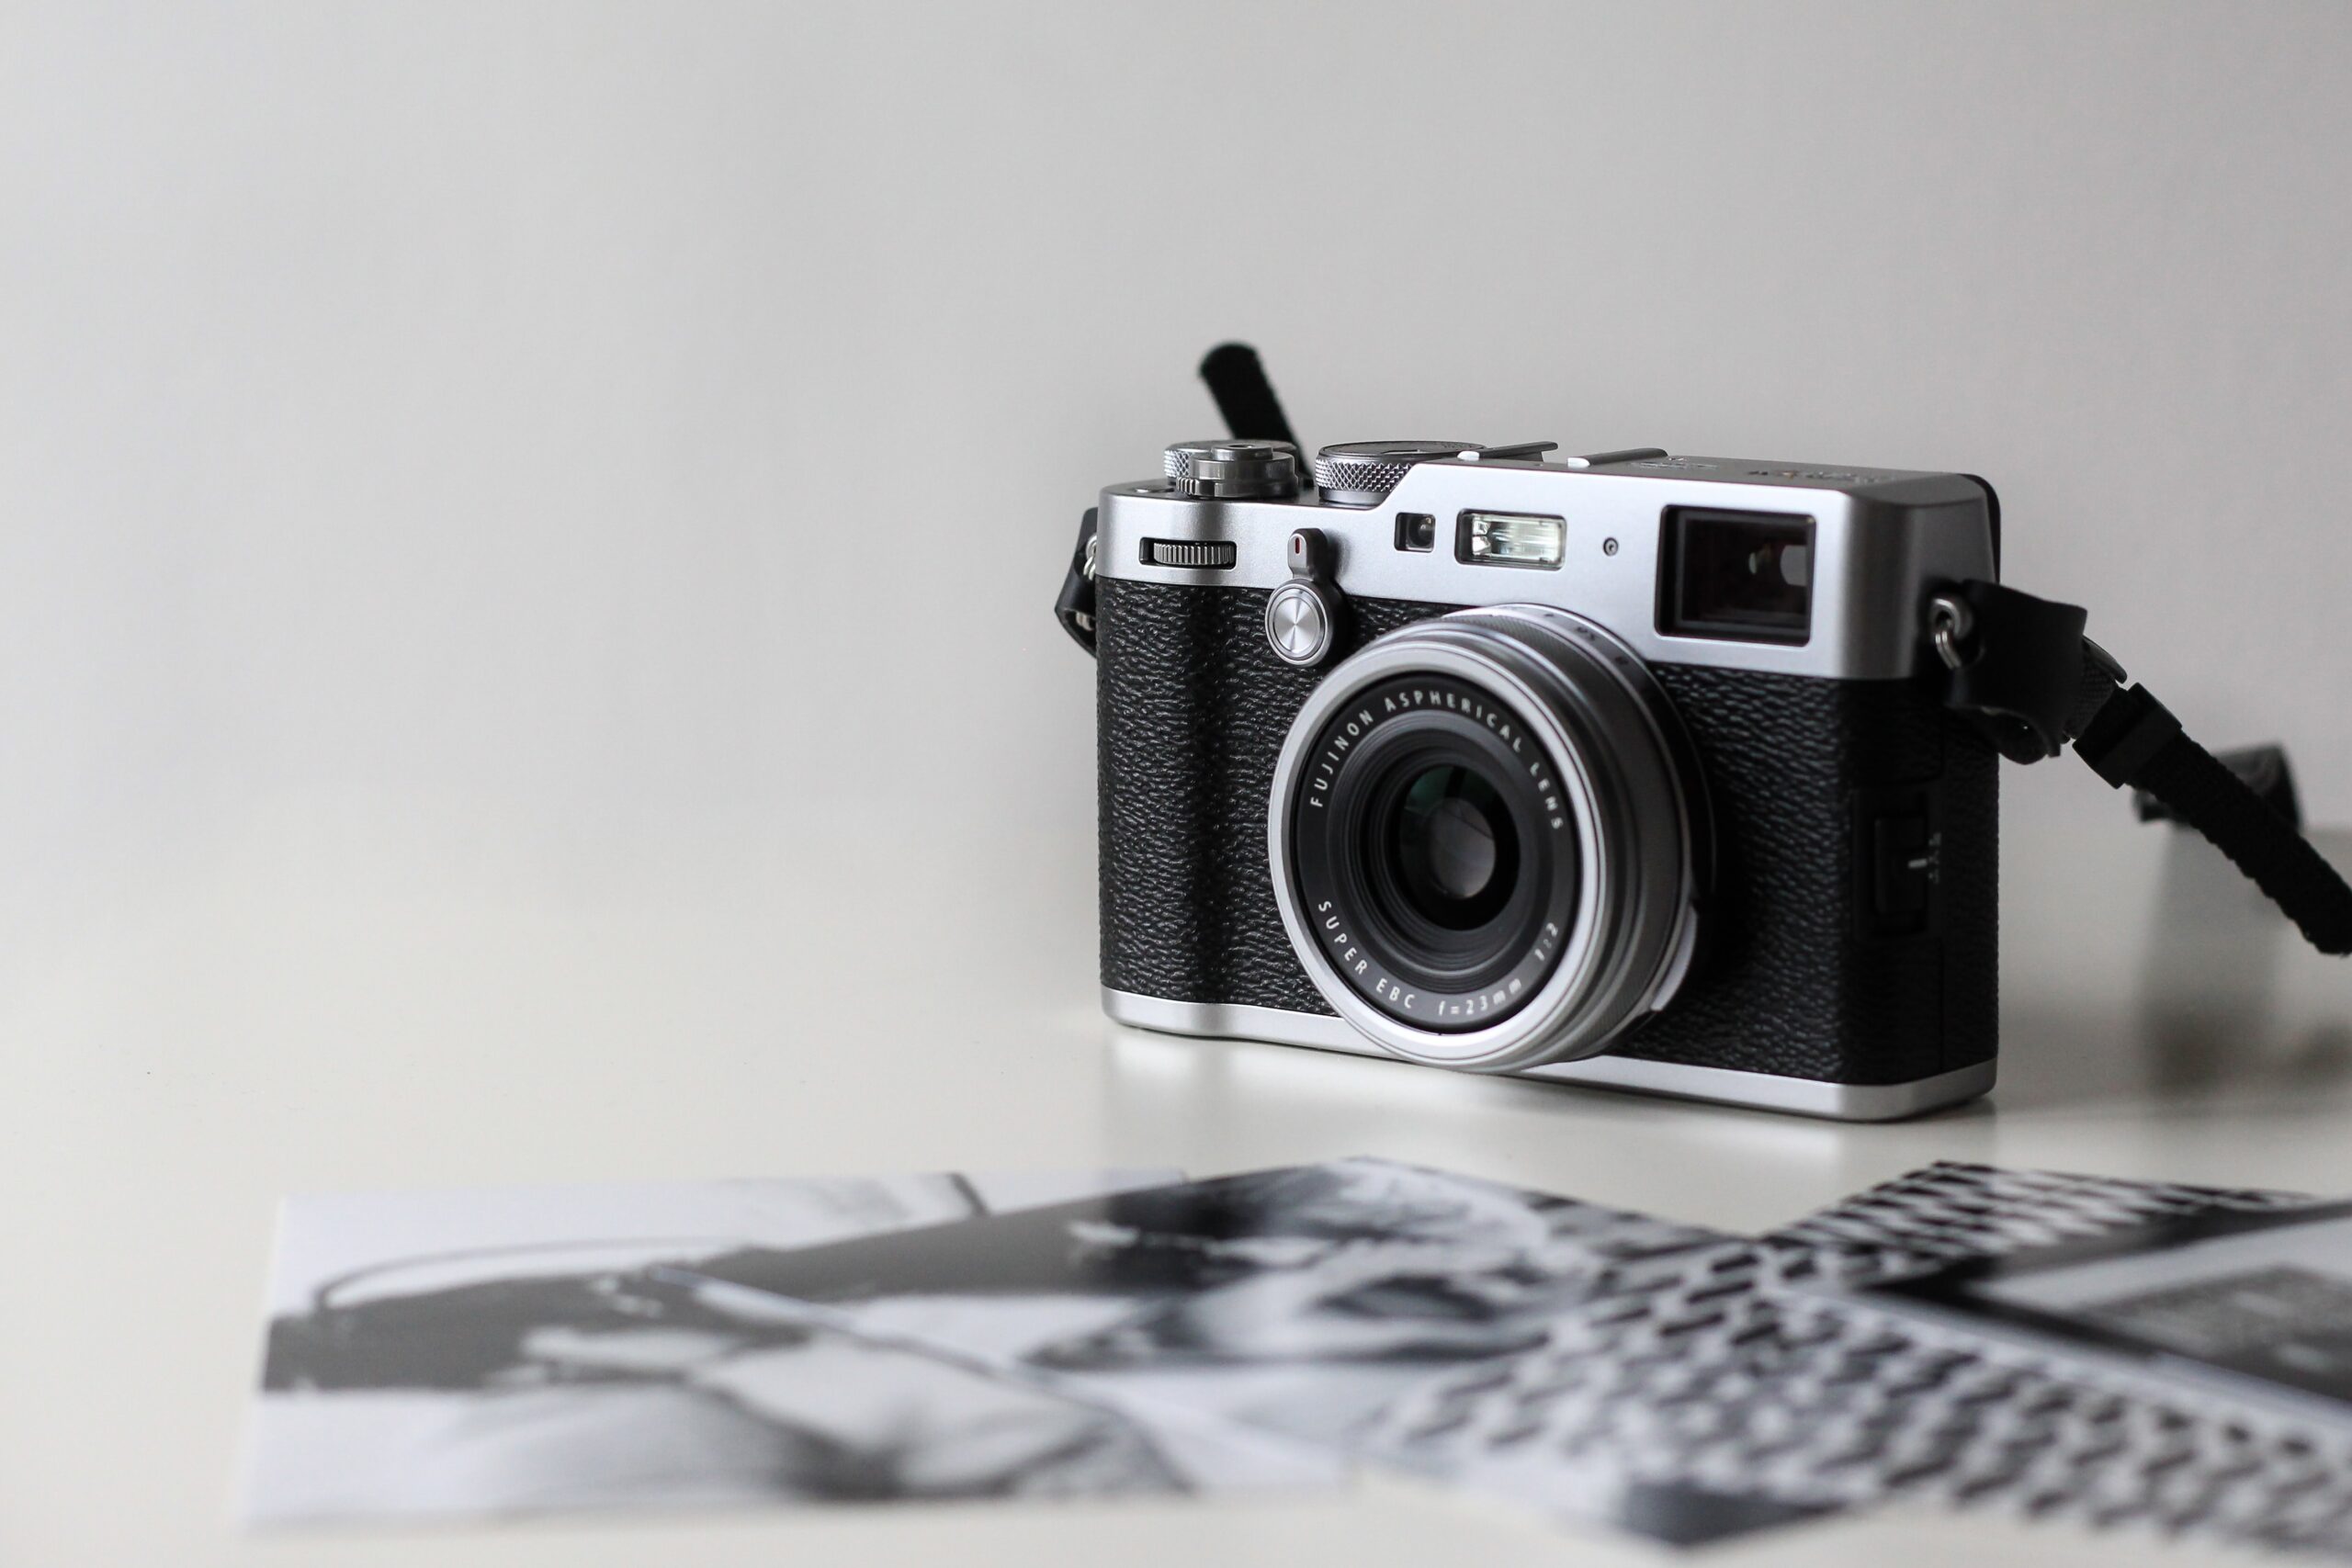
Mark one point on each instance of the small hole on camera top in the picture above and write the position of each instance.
(1416, 531)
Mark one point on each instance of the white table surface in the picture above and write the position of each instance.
(355, 996)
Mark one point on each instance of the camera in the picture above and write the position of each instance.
(1627, 769)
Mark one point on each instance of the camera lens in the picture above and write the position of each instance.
(1450, 840)
(1434, 829)
(1485, 836)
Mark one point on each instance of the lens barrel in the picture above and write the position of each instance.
(1487, 838)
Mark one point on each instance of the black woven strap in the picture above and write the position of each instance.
(1074, 606)
(2133, 740)
(2047, 695)
(1238, 381)
(1244, 396)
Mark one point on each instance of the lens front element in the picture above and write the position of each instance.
(1451, 839)
(1436, 849)
(1481, 842)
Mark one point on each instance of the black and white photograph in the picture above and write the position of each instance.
(1736, 1396)
(540, 1349)
(1320, 1304)
(601, 596)
(2251, 1309)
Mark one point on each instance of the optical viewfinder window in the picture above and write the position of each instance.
(1743, 575)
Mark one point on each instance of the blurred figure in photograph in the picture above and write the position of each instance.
(584, 1376)
(1302, 1302)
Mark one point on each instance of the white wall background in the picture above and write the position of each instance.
(575, 432)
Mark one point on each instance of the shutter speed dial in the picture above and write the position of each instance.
(1359, 473)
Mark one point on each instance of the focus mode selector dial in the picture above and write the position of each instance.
(1303, 615)
(1233, 470)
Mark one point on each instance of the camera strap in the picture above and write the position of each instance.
(1237, 379)
(2021, 673)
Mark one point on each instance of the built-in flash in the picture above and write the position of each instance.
(1501, 538)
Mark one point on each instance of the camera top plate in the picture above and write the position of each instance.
(1884, 540)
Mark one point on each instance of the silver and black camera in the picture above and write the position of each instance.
(1621, 770)
(1657, 772)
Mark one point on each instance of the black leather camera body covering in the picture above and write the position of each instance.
(1850, 929)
